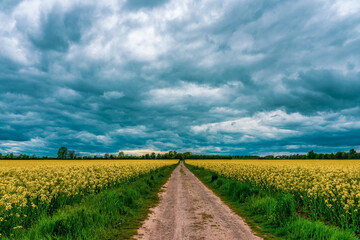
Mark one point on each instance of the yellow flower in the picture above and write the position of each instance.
(35, 184)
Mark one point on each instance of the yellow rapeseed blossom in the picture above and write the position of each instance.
(335, 182)
(30, 184)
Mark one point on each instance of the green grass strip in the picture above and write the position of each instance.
(270, 215)
(111, 214)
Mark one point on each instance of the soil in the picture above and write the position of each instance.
(189, 210)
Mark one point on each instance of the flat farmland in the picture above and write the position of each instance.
(162, 199)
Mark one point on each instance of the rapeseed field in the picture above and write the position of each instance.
(32, 188)
(328, 190)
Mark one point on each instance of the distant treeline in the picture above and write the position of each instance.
(246, 157)
(22, 156)
(64, 153)
(352, 154)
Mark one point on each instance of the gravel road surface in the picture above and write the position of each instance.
(189, 210)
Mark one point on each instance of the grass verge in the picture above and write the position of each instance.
(111, 214)
(270, 215)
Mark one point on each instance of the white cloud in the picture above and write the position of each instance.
(146, 44)
(347, 7)
(207, 149)
(24, 119)
(136, 130)
(138, 152)
(292, 147)
(67, 94)
(279, 124)
(264, 125)
(13, 50)
(21, 146)
(226, 110)
(113, 95)
(188, 92)
(89, 137)
(13, 45)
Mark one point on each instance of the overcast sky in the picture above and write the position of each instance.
(231, 77)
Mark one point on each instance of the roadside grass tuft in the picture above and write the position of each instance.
(284, 211)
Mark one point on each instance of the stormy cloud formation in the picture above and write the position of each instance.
(206, 76)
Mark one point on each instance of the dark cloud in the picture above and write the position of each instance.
(11, 134)
(318, 90)
(248, 77)
(59, 30)
(7, 5)
(138, 4)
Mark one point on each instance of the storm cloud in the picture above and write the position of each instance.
(232, 77)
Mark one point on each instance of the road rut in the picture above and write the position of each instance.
(189, 210)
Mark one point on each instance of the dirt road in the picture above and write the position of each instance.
(189, 210)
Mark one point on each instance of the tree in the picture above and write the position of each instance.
(121, 155)
(71, 154)
(106, 156)
(179, 156)
(153, 156)
(62, 153)
(339, 155)
(187, 155)
(311, 154)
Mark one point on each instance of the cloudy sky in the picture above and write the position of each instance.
(209, 76)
